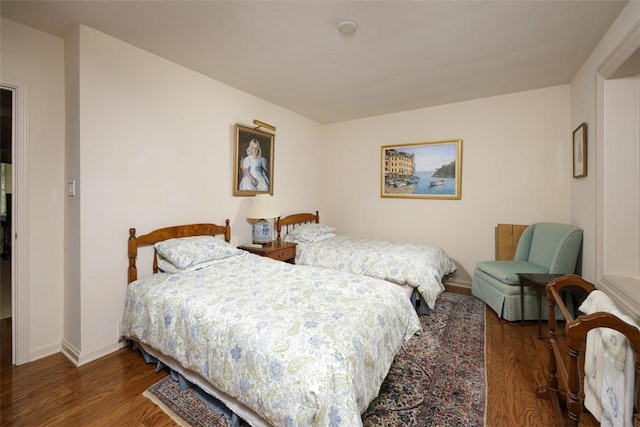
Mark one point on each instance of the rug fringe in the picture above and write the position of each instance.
(165, 409)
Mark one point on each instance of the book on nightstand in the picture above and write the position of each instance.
(253, 245)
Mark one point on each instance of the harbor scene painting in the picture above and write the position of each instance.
(428, 170)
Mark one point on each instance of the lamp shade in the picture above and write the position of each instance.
(262, 207)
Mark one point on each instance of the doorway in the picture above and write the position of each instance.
(19, 237)
(7, 103)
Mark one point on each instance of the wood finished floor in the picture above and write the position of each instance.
(108, 392)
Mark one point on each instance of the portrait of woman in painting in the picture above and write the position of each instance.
(255, 176)
(253, 161)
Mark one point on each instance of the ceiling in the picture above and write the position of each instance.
(404, 55)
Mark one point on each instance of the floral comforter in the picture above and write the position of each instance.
(419, 266)
(301, 346)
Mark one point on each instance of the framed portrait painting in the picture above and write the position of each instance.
(253, 161)
(422, 170)
(580, 151)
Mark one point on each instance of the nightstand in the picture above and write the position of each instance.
(279, 251)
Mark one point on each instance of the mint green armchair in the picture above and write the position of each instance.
(544, 247)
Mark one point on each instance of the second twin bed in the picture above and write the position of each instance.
(417, 267)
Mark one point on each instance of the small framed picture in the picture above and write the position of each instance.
(253, 162)
(580, 151)
(423, 170)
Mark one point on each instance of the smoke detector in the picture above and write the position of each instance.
(347, 26)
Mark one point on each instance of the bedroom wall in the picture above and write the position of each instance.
(37, 60)
(72, 249)
(584, 192)
(516, 168)
(583, 109)
(155, 149)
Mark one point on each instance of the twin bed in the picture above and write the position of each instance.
(279, 344)
(421, 269)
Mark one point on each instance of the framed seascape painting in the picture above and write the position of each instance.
(253, 162)
(580, 151)
(422, 170)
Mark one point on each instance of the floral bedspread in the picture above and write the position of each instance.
(301, 346)
(420, 266)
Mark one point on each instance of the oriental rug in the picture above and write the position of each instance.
(437, 378)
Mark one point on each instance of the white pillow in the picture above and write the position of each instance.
(184, 252)
(167, 267)
(309, 233)
(324, 237)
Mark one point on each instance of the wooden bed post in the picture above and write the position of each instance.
(278, 230)
(133, 253)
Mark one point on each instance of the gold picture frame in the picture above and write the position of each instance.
(580, 151)
(253, 156)
(422, 170)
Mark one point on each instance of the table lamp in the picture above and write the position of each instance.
(262, 208)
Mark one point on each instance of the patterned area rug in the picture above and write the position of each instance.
(437, 378)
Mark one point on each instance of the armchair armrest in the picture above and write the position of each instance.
(566, 256)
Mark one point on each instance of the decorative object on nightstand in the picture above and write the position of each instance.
(281, 251)
(262, 208)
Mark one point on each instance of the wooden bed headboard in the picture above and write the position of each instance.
(166, 233)
(292, 221)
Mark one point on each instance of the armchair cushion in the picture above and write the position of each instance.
(507, 271)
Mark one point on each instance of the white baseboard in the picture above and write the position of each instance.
(44, 352)
(72, 353)
(459, 283)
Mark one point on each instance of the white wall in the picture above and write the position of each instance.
(156, 147)
(583, 109)
(73, 290)
(37, 59)
(621, 210)
(516, 168)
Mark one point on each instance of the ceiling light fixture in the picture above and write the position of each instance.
(348, 26)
